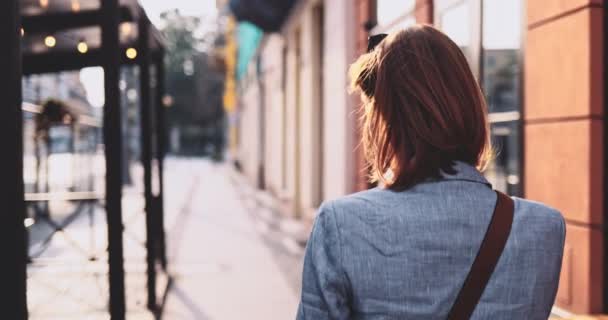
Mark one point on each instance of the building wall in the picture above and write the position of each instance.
(312, 129)
(564, 117)
(292, 121)
(424, 11)
(311, 107)
(274, 97)
(308, 148)
(249, 117)
(338, 116)
(365, 17)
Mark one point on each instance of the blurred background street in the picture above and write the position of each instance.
(166, 159)
(226, 264)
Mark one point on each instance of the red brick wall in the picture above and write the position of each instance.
(563, 130)
(424, 11)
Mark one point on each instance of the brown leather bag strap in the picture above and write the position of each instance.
(489, 252)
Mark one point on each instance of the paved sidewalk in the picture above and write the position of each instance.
(224, 263)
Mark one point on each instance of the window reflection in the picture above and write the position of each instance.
(456, 23)
(501, 70)
(504, 172)
(501, 43)
(403, 24)
(388, 11)
(502, 23)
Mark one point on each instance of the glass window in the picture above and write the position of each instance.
(455, 21)
(494, 43)
(394, 15)
(501, 81)
(388, 11)
(503, 172)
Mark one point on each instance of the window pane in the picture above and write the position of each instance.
(403, 24)
(456, 23)
(389, 10)
(504, 172)
(502, 24)
(501, 45)
(501, 83)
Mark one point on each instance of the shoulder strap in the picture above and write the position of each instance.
(489, 252)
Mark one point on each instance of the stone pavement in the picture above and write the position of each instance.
(226, 265)
(229, 257)
(68, 279)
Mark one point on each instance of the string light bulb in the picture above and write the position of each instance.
(75, 5)
(131, 53)
(22, 32)
(167, 101)
(126, 28)
(44, 3)
(50, 41)
(82, 47)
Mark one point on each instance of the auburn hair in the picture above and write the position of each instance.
(422, 108)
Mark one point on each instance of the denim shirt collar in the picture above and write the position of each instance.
(466, 172)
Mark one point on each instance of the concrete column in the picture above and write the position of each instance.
(339, 118)
(273, 61)
(564, 136)
(249, 147)
(310, 110)
(292, 121)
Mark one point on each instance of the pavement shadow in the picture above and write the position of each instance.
(195, 312)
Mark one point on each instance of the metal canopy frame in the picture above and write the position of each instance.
(66, 60)
(18, 59)
(12, 229)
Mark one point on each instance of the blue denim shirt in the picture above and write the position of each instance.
(380, 254)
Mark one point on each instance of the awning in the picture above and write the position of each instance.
(249, 37)
(268, 15)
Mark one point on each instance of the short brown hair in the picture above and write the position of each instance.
(422, 108)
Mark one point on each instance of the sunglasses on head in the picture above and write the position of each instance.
(373, 41)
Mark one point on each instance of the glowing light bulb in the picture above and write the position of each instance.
(126, 28)
(22, 32)
(131, 53)
(75, 5)
(44, 3)
(83, 47)
(167, 100)
(50, 41)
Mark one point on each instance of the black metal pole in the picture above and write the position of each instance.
(146, 158)
(160, 153)
(13, 305)
(113, 153)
